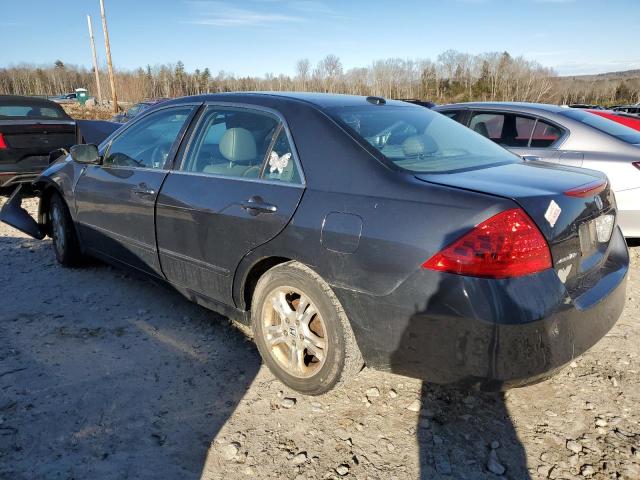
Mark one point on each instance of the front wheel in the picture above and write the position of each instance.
(301, 330)
(65, 241)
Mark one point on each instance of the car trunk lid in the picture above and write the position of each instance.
(39, 136)
(565, 215)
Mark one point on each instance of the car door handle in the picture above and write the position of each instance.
(256, 205)
(531, 158)
(143, 190)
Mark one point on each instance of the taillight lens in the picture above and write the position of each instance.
(506, 245)
(3, 144)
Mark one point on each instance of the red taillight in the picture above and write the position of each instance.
(506, 245)
(588, 189)
(3, 144)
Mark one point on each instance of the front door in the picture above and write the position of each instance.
(236, 188)
(115, 200)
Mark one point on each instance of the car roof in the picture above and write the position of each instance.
(518, 106)
(321, 100)
(24, 100)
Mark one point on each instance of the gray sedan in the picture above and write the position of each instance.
(566, 136)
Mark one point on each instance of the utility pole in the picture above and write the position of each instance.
(95, 59)
(112, 80)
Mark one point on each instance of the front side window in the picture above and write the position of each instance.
(418, 139)
(147, 143)
(239, 142)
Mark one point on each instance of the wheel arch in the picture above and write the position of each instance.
(248, 276)
(47, 189)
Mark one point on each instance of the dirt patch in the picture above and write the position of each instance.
(95, 112)
(103, 375)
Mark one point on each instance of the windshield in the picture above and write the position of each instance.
(420, 140)
(615, 129)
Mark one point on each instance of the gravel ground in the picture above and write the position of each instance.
(108, 376)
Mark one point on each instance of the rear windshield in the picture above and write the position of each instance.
(615, 129)
(420, 140)
(26, 111)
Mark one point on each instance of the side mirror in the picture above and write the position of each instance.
(85, 153)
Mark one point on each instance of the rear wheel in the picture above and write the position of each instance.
(302, 331)
(65, 241)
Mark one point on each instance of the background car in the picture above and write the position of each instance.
(135, 110)
(630, 109)
(565, 136)
(30, 128)
(632, 121)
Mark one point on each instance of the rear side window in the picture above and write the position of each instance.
(418, 139)
(621, 132)
(27, 111)
(516, 131)
(240, 142)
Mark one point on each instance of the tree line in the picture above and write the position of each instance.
(453, 77)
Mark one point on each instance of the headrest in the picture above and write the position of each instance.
(419, 145)
(238, 145)
(481, 128)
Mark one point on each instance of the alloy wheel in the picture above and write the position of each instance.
(294, 332)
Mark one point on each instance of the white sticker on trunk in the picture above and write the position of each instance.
(553, 212)
(563, 273)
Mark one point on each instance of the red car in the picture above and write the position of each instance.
(625, 119)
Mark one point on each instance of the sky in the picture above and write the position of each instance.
(255, 37)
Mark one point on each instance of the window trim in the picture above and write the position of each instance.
(554, 146)
(197, 123)
(175, 146)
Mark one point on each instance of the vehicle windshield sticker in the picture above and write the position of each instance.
(278, 163)
(563, 273)
(553, 212)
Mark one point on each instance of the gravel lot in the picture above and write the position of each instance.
(108, 376)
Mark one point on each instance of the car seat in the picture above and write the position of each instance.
(481, 128)
(238, 146)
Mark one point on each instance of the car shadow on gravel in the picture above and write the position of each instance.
(461, 432)
(104, 375)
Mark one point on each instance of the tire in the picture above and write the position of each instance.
(65, 241)
(301, 330)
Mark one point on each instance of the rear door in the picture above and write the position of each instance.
(115, 200)
(236, 187)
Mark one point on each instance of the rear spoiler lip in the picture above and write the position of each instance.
(17, 217)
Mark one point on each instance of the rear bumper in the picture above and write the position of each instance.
(498, 334)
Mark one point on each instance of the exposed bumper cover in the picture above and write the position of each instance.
(14, 215)
(446, 328)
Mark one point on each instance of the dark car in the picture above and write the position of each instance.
(135, 110)
(346, 230)
(567, 136)
(30, 128)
